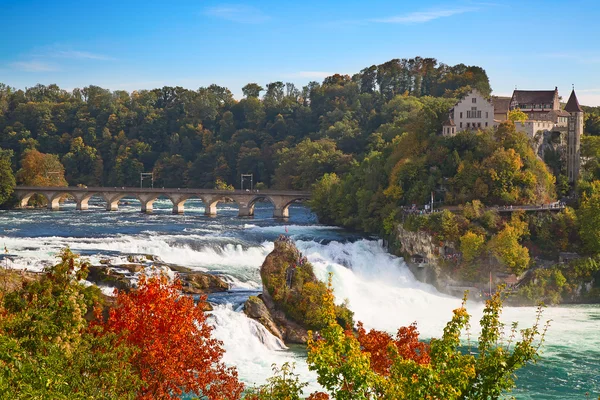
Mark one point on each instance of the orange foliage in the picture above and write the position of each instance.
(176, 351)
(378, 343)
(39, 169)
(318, 396)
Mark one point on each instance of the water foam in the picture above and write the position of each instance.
(252, 349)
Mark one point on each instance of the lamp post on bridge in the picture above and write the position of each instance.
(51, 173)
(251, 176)
(144, 175)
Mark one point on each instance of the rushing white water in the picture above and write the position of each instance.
(252, 349)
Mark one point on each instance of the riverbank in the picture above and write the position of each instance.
(568, 279)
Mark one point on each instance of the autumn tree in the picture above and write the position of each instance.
(344, 368)
(471, 245)
(406, 344)
(517, 115)
(178, 354)
(506, 247)
(39, 169)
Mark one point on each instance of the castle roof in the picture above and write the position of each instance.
(449, 122)
(573, 104)
(501, 104)
(559, 113)
(533, 96)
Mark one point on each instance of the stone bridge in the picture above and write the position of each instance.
(281, 199)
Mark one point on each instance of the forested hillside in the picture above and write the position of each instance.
(288, 137)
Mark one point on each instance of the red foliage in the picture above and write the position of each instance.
(318, 396)
(177, 353)
(378, 344)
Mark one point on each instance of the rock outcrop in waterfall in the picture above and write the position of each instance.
(292, 301)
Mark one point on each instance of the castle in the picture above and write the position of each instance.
(544, 113)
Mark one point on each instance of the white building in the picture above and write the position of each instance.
(472, 112)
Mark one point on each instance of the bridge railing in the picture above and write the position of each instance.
(122, 189)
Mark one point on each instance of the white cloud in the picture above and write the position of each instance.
(33, 66)
(238, 13)
(420, 17)
(309, 74)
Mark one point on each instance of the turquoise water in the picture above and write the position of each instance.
(381, 291)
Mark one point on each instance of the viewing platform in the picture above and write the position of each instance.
(245, 199)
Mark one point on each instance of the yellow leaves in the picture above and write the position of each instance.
(471, 245)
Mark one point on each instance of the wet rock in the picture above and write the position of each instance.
(104, 276)
(256, 309)
(178, 268)
(202, 283)
(133, 268)
(206, 306)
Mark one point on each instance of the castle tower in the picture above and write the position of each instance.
(575, 130)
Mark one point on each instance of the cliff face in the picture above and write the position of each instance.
(422, 252)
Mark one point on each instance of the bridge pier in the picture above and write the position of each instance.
(178, 201)
(281, 206)
(82, 205)
(210, 209)
(147, 202)
(281, 212)
(54, 204)
(53, 199)
(112, 200)
(246, 205)
(246, 211)
(82, 200)
(210, 205)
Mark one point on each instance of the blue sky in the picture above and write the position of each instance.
(131, 44)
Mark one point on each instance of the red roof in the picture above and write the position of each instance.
(573, 104)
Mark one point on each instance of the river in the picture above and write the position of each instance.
(381, 290)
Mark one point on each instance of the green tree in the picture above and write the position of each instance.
(300, 167)
(47, 350)
(7, 179)
(588, 216)
(82, 164)
(252, 90)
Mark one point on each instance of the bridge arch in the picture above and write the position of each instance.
(52, 197)
(283, 210)
(211, 202)
(280, 203)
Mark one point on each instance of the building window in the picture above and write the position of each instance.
(486, 116)
(468, 124)
(474, 99)
(461, 115)
(461, 124)
(486, 124)
(474, 113)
